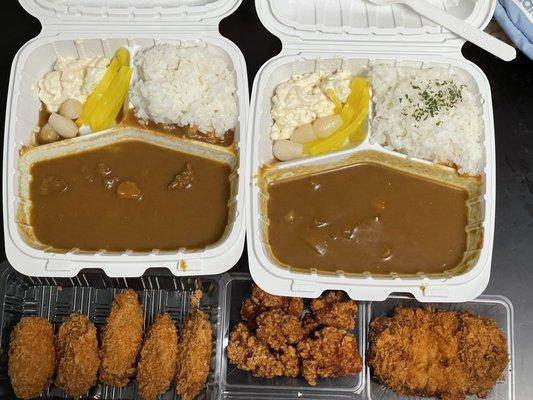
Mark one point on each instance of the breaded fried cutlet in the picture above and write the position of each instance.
(156, 369)
(195, 348)
(335, 309)
(328, 353)
(32, 357)
(121, 339)
(436, 353)
(250, 354)
(261, 301)
(78, 357)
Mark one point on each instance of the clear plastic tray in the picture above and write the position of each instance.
(498, 308)
(91, 293)
(96, 30)
(235, 383)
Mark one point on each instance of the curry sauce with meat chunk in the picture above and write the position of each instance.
(367, 217)
(130, 195)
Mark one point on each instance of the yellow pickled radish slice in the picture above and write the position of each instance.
(353, 113)
(112, 98)
(333, 97)
(98, 92)
(111, 119)
(123, 56)
(359, 135)
(336, 141)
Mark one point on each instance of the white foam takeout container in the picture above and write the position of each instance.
(355, 34)
(90, 30)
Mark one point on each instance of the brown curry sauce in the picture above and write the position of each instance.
(124, 197)
(367, 217)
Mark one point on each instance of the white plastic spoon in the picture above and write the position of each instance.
(457, 26)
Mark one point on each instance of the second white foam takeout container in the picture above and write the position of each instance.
(95, 29)
(355, 34)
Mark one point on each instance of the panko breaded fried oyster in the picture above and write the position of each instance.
(156, 369)
(194, 359)
(32, 357)
(330, 352)
(443, 354)
(335, 309)
(121, 339)
(78, 356)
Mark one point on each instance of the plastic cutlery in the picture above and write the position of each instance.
(457, 26)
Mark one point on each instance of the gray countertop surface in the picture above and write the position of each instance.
(512, 91)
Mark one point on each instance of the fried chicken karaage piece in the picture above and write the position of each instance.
(278, 329)
(290, 360)
(250, 354)
(194, 359)
(335, 309)
(121, 339)
(330, 352)
(443, 354)
(261, 301)
(78, 357)
(158, 360)
(310, 325)
(32, 357)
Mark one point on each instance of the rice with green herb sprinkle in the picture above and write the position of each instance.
(428, 113)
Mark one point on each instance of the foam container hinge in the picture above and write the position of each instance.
(69, 29)
(316, 40)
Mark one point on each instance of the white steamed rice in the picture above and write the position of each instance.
(452, 136)
(187, 86)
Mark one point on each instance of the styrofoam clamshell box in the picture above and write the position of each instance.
(92, 28)
(355, 34)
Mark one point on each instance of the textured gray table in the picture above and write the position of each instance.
(512, 90)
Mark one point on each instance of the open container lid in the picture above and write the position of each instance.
(64, 12)
(304, 21)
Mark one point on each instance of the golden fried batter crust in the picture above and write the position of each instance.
(121, 339)
(194, 355)
(443, 354)
(310, 325)
(290, 360)
(261, 301)
(278, 329)
(77, 355)
(330, 352)
(32, 357)
(156, 369)
(250, 354)
(335, 309)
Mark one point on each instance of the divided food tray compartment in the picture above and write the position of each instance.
(91, 293)
(37, 57)
(308, 39)
(98, 140)
(236, 383)
(498, 308)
